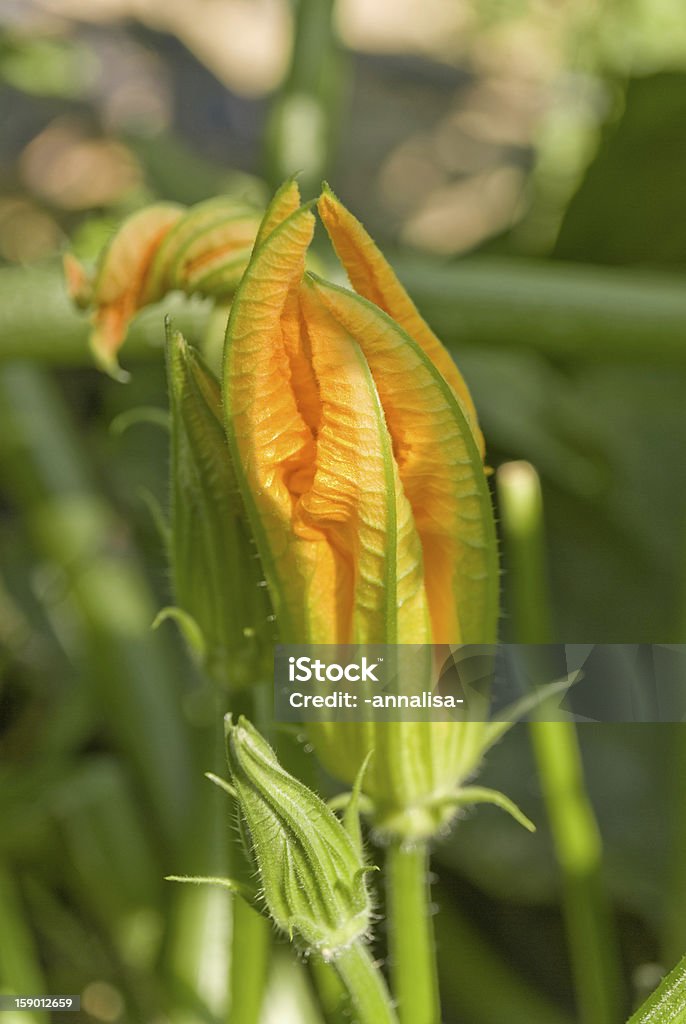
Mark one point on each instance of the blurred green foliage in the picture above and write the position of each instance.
(106, 727)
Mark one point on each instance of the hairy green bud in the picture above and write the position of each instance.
(310, 867)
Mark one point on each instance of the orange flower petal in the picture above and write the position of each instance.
(440, 469)
(272, 445)
(356, 497)
(285, 202)
(120, 280)
(372, 277)
(207, 235)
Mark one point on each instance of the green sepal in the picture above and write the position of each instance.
(218, 579)
(519, 709)
(190, 630)
(466, 796)
(139, 414)
(351, 814)
(238, 888)
(312, 877)
(222, 783)
(157, 516)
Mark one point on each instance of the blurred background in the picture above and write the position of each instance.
(523, 163)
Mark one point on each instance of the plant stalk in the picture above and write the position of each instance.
(365, 986)
(251, 934)
(579, 853)
(562, 310)
(578, 846)
(249, 962)
(412, 947)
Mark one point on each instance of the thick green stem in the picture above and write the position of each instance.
(563, 310)
(365, 986)
(330, 992)
(411, 935)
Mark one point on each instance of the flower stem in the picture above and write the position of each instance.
(411, 935)
(252, 935)
(365, 986)
(249, 962)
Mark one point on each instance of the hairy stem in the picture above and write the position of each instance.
(365, 986)
(411, 935)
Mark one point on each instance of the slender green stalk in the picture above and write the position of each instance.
(564, 310)
(52, 332)
(365, 986)
(251, 935)
(249, 963)
(411, 935)
(304, 121)
(590, 932)
(579, 852)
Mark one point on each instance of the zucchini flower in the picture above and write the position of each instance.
(359, 460)
(199, 250)
(356, 449)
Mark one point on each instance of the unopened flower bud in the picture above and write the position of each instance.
(311, 871)
(217, 575)
(200, 250)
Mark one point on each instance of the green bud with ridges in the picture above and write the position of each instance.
(217, 574)
(311, 871)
